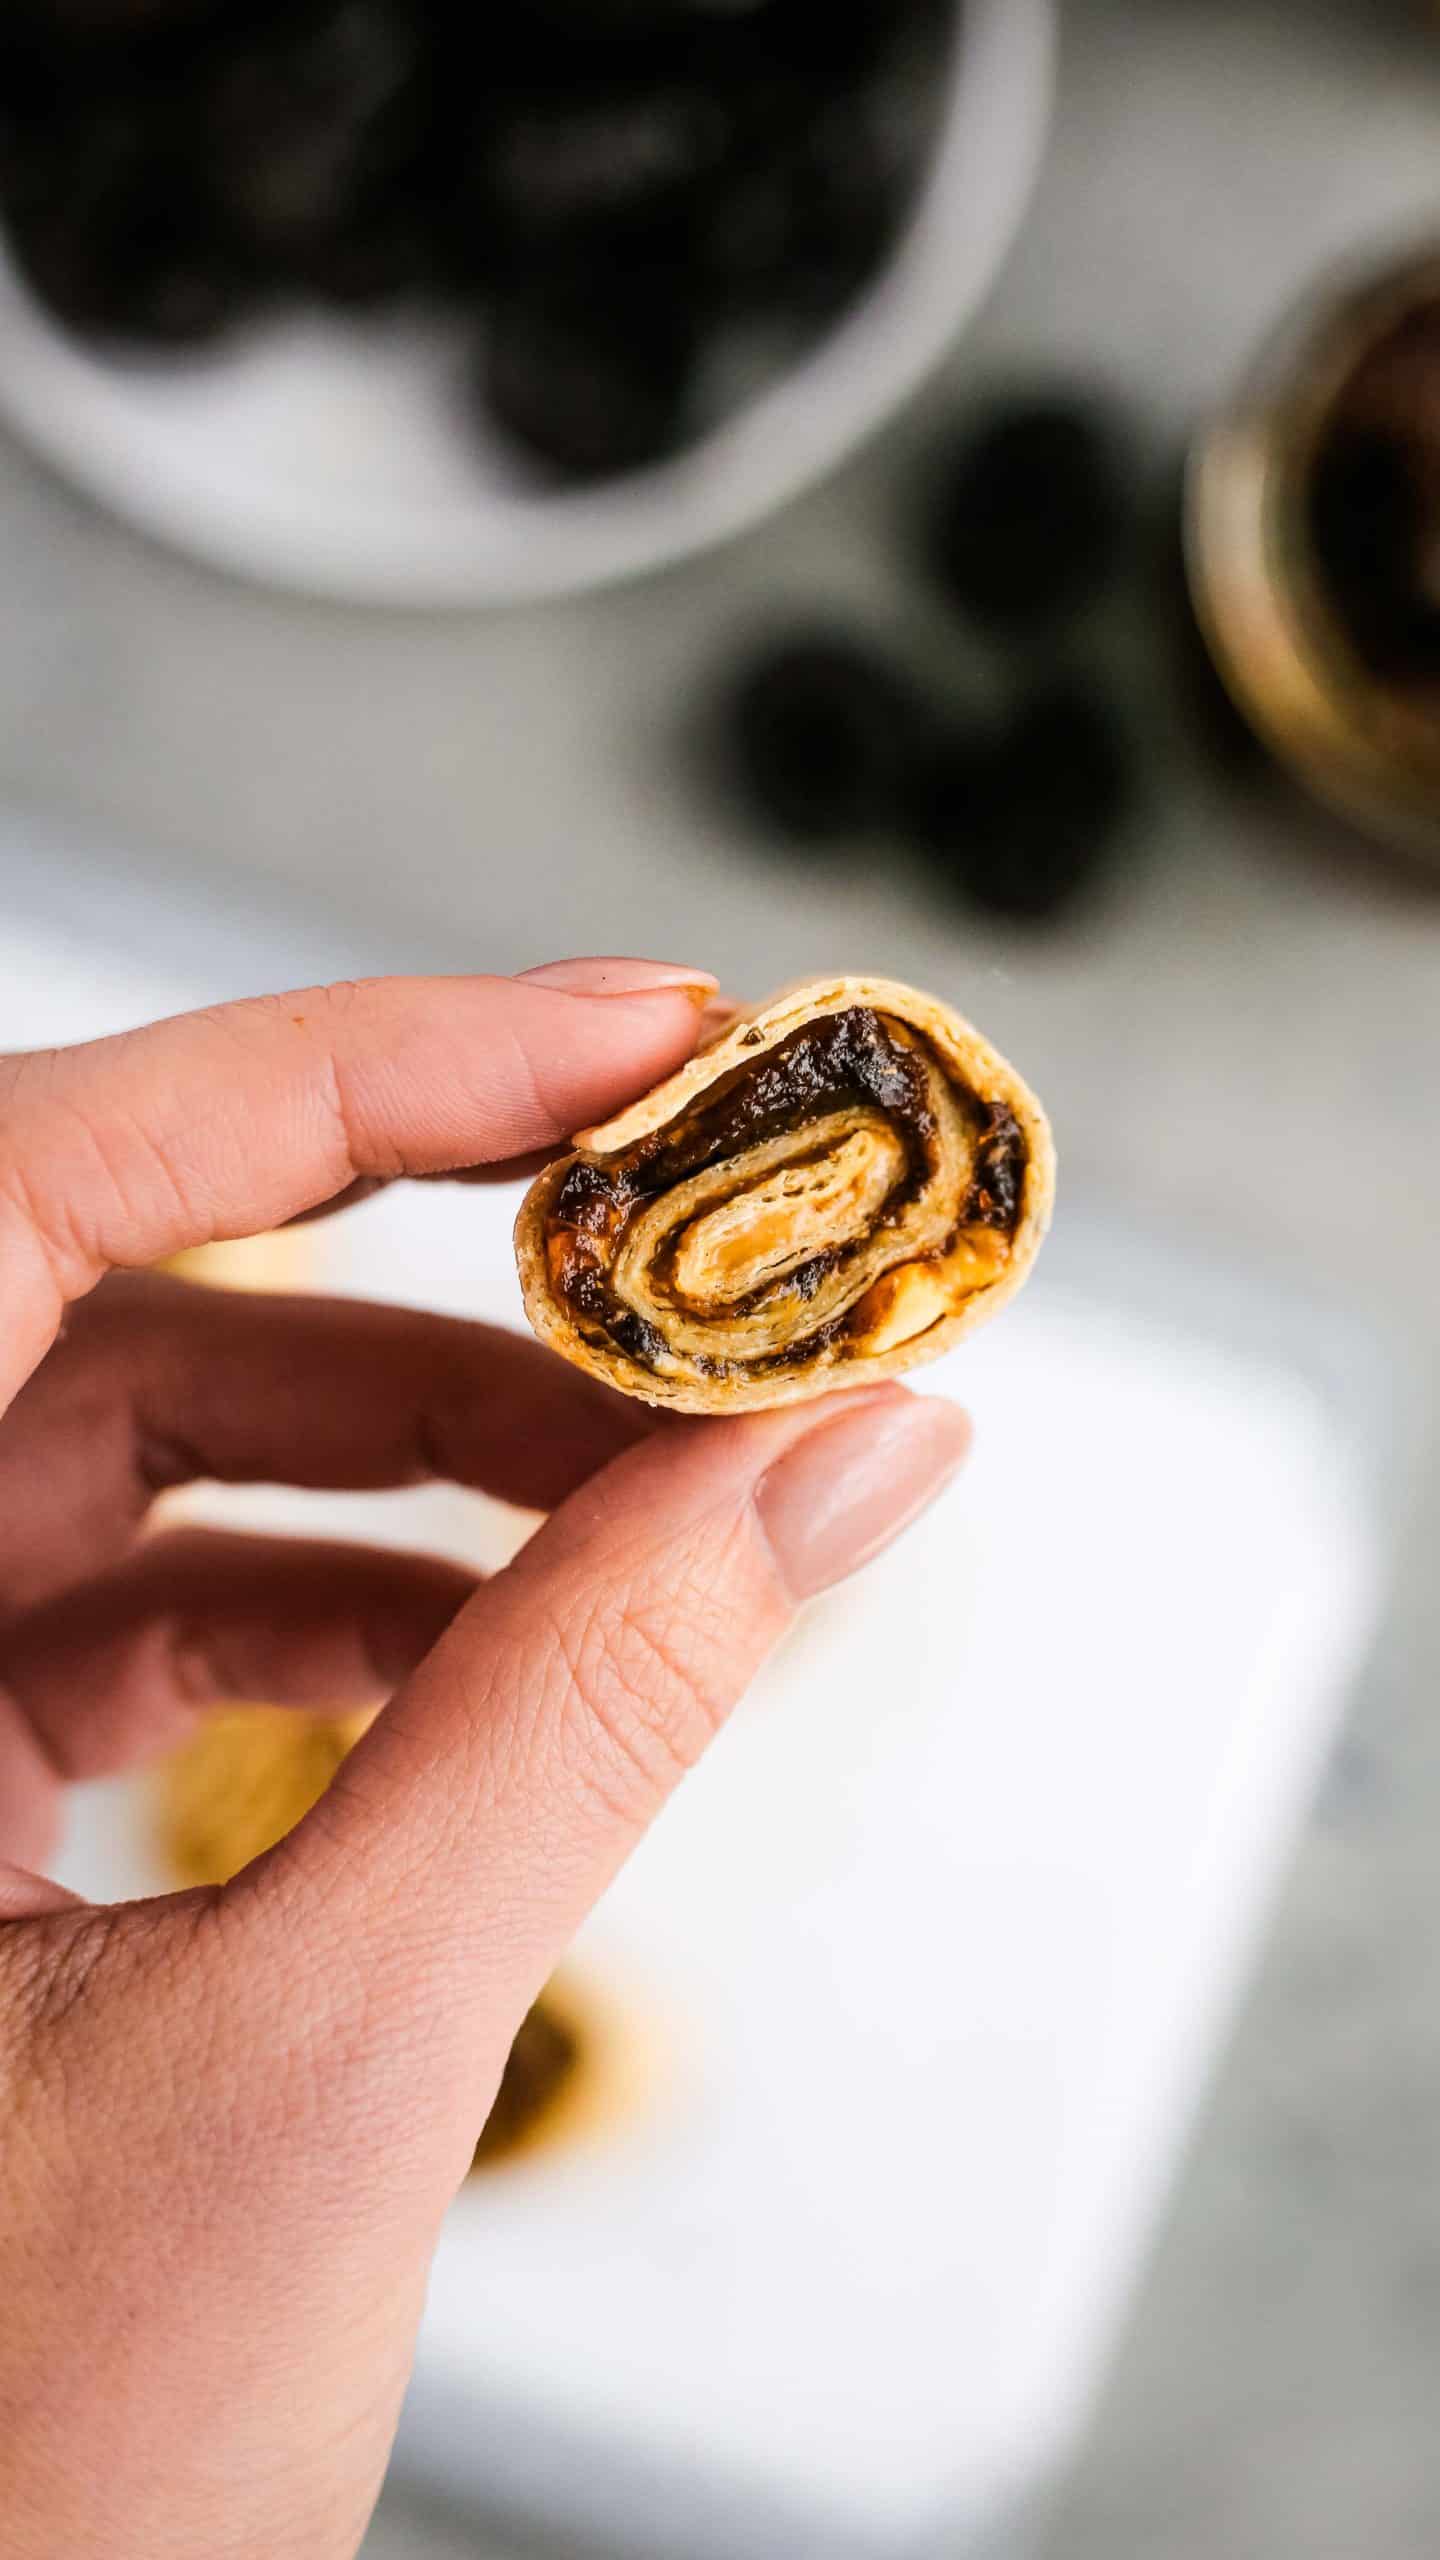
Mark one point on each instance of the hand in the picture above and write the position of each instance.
(233, 2120)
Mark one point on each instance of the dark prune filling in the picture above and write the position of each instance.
(999, 1171)
(853, 1057)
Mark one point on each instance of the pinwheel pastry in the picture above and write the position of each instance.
(844, 1183)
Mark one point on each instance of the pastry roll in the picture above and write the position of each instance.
(843, 1184)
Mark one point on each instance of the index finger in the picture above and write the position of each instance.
(121, 1152)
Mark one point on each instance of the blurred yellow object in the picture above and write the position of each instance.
(546, 2082)
(248, 1774)
(244, 1778)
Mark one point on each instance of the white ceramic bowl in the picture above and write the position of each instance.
(342, 458)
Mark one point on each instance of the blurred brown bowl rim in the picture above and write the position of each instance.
(1271, 627)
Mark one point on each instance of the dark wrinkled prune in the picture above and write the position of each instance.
(628, 22)
(1028, 515)
(828, 45)
(953, 789)
(389, 249)
(823, 174)
(625, 19)
(591, 373)
(623, 177)
(1020, 821)
(822, 725)
(560, 166)
(107, 224)
(310, 120)
(141, 284)
(484, 57)
(65, 22)
(30, 87)
(810, 221)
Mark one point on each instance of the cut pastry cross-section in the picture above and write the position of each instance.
(845, 1182)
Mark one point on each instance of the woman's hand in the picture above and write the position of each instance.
(233, 2120)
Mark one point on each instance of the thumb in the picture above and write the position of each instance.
(238, 2118)
(471, 1831)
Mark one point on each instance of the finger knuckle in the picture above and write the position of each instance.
(341, 1011)
(77, 1175)
(44, 1219)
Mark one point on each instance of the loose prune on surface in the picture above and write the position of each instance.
(822, 724)
(592, 373)
(1028, 516)
(1020, 821)
(953, 791)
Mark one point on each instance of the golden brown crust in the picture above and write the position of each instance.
(964, 1267)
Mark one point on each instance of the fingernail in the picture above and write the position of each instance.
(612, 977)
(841, 1494)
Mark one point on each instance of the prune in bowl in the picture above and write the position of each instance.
(505, 188)
(592, 375)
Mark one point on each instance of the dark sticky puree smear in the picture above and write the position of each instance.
(999, 1172)
(846, 1057)
(849, 1057)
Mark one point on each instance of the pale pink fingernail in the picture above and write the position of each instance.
(841, 1494)
(617, 977)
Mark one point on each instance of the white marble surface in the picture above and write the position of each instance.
(1248, 1042)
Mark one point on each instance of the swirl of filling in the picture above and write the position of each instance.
(822, 1196)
